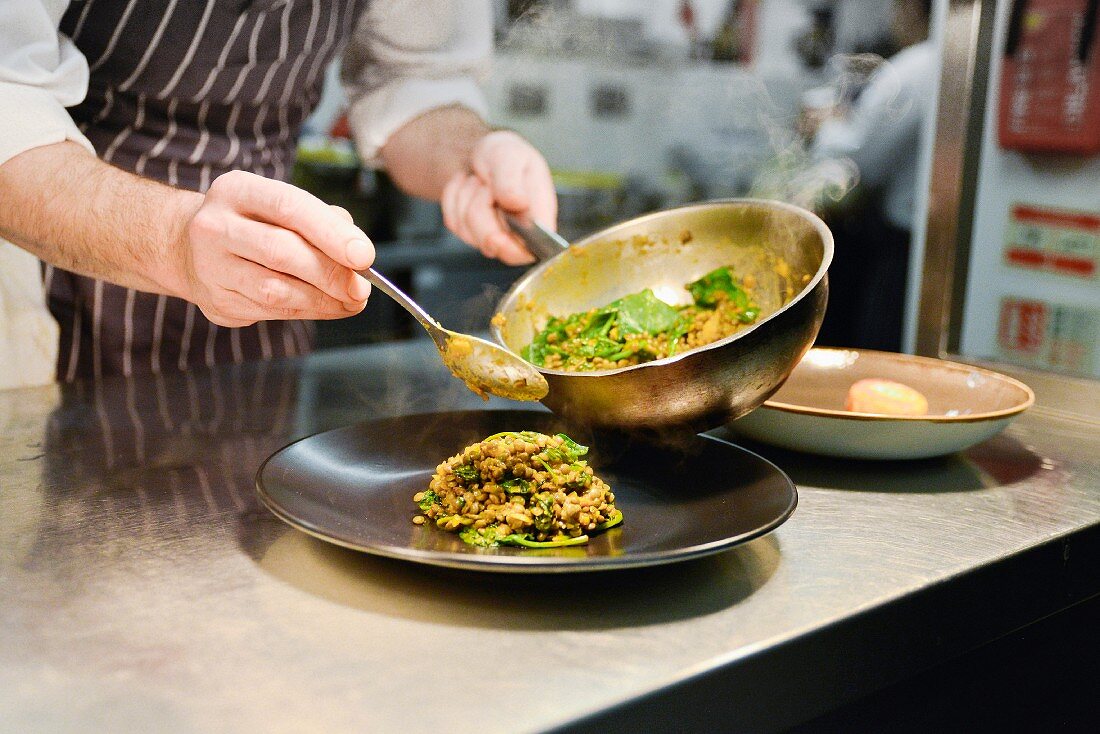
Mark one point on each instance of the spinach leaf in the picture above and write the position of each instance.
(494, 536)
(598, 347)
(568, 453)
(644, 313)
(516, 486)
(575, 450)
(481, 537)
(541, 459)
(615, 519)
(676, 334)
(583, 481)
(467, 473)
(544, 522)
(430, 498)
(558, 541)
(704, 290)
(535, 352)
(600, 323)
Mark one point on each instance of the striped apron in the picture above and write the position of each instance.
(182, 91)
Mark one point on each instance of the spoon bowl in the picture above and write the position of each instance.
(487, 367)
(484, 367)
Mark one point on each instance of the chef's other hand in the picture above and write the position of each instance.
(508, 173)
(257, 249)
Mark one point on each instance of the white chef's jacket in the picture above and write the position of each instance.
(882, 133)
(404, 57)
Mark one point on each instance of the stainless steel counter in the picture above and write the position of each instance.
(143, 588)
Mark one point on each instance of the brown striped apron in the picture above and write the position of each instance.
(182, 91)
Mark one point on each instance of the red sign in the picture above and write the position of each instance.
(1056, 240)
(1023, 325)
(1050, 78)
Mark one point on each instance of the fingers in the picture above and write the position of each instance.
(543, 197)
(469, 210)
(448, 202)
(254, 292)
(260, 249)
(359, 289)
(286, 252)
(501, 166)
(461, 192)
(342, 213)
(509, 174)
(292, 208)
(481, 220)
(484, 222)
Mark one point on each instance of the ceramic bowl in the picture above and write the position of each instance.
(966, 405)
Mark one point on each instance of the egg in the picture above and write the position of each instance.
(885, 397)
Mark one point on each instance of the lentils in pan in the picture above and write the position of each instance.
(640, 327)
(519, 488)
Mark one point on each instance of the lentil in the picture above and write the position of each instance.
(519, 488)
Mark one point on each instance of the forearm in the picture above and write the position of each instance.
(73, 210)
(426, 152)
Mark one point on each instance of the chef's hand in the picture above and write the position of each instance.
(257, 249)
(506, 172)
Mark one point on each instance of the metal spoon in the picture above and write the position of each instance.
(482, 365)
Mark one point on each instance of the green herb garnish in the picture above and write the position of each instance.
(516, 486)
(467, 473)
(544, 521)
(615, 519)
(429, 499)
(494, 536)
(575, 450)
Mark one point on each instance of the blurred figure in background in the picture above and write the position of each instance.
(880, 132)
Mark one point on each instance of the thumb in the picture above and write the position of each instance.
(344, 213)
(500, 163)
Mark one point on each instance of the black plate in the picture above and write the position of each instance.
(353, 486)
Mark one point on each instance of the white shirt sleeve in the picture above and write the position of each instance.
(885, 119)
(41, 73)
(406, 57)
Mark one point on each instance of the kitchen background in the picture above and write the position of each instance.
(635, 105)
(644, 105)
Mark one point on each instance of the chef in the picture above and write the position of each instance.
(144, 152)
(881, 134)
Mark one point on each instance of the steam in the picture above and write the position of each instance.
(749, 145)
(795, 177)
(851, 73)
(474, 314)
(792, 173)
(545, 31)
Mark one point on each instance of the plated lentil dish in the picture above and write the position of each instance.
(641, 328)
(519, 488)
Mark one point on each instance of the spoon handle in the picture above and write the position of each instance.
(540, 241)
(402, 298)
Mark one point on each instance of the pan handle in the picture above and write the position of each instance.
(540, 241)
